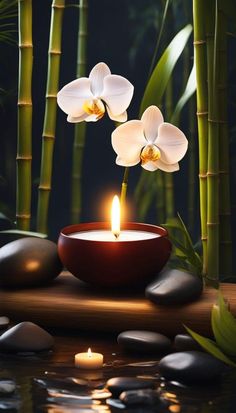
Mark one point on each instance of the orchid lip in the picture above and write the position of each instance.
(150, 153)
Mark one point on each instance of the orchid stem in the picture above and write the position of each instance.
(124, 187)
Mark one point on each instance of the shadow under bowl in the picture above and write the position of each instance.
(114, 263)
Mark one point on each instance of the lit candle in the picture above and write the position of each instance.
(89, 360)
(102, 254)
(115, 234)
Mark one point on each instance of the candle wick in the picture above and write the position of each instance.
(116, 234)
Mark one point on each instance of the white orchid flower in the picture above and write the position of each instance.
(87, 98)
(157, 144)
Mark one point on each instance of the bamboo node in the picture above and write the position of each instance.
(212, 173)
(83, 33)
(204, 238)
(51, 95)
(199, 42)
(24, 103)
(45, 187)
(26, 216)
(212, 224)
(202, 175)
(58, 6)
(48, 136)
(78, 145)
(224, 172)
(203, 113)
(26, 45)
(217, 121)
(84, 6)
(54, 52)
(23, 158)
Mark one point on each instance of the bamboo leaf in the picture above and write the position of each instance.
(224, 337)
(23, 233)
(224, 326)
(188, 92)
(211, 347)
(162, 72)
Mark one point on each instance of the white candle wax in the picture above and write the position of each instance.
(106, 235)
(89, 360)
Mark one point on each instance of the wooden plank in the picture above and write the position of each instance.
(69, 303)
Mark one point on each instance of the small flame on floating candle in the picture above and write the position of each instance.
(89, 353)
(115, 216)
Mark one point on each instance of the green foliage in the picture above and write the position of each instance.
(8, 11)
(224, 328)
(188, 92)
(21, 233)
(211, 347)
(184, 254)
(158, 81)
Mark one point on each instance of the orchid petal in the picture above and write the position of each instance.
(96, 76)
(150, 166)
(72, 96)
(121, 162)
(152, 118)
(128, 141)
(118, 118)
(117, 93)
(167, 167)
(92, 118)
(76, 119)
(85, 116)
(154, 165)
(172, 143)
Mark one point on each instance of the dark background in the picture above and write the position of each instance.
(123, 34)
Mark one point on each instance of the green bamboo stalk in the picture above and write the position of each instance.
(24, 134)
(191, 168)
(168, 177)
(80, 128)
(202, 114)
(213, 142)
(225, 251)
(49, 128)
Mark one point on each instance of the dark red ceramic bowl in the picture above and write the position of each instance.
(114, 264)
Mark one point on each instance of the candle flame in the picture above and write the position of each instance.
(115, 216)
(89, 353)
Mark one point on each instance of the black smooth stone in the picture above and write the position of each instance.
(147, 342)
(7, 386)
(191, 367)
(117, 385)
(25, 337)
(184, 342)
(5, 222)
(4, 322)
(28, 262)
(174, 287)
(147, 396)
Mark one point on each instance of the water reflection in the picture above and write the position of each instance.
(59, 391)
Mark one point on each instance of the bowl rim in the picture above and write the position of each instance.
(90, 226)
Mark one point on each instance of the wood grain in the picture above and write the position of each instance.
(69, 303)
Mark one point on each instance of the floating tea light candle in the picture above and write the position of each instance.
(89, 360)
